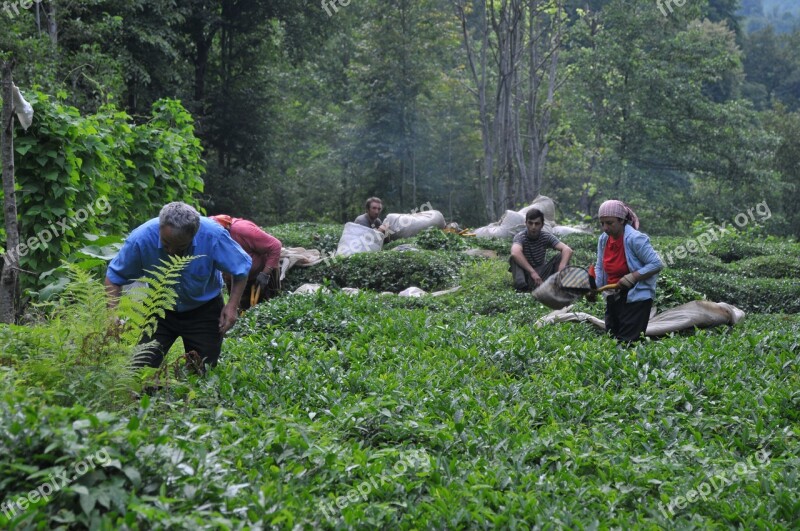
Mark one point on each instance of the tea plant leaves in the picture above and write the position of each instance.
(371, 411)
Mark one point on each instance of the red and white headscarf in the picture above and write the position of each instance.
(224, 220)
(617, 209)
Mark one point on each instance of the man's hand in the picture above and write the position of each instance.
(227, 318)
(627, 281)
(263, 279)
(537, 280)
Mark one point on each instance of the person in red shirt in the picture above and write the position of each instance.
(626, 257)
(264, 249)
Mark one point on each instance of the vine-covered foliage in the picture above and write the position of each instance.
(96, 174)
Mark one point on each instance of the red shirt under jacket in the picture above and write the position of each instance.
(614, 262)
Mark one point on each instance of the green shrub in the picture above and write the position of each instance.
(433, 239)
(773, 266)
(671, 292)
(322, 236)
(384, 271)
(692, 261)
(97, 173)
(584, 249)
(730, 248)
(500, 246)
(762, 295)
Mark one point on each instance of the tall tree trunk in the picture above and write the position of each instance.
(525, 43)
(477, 68)
(52, 23)
(9, 280)
(545, 45)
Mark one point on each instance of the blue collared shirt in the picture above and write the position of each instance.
(641, 257)
(201, 279)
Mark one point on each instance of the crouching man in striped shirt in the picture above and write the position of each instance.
(528, 253)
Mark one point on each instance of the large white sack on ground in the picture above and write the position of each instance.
(700, 314)
(409, 225)
(358, 239)
(510, 224)
(307, 289)
(493, 231)
(412, 291)
(298, 256)
(564, 230)
(546, 205)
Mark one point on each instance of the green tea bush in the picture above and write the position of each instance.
(384, 271)
(584, 249)
(500, 246)
(730, 248)
(322, 236)
(317, 400)
(692, 261)
(773, 266)
(761, 295)
(671, 292)
(433, 239)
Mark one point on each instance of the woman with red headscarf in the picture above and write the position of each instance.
(626, 257)
(264, 249)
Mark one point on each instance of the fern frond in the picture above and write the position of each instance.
(143, 305)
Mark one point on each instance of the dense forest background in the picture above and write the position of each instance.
(304, 109)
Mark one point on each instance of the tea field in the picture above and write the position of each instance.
(339, 411)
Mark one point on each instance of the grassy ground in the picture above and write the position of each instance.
(337, 411)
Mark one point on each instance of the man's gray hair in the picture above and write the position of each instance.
(181, 217)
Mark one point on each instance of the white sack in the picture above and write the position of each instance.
(564, 230)
(493, 231)
(700, 314)
(509, 225)
(546, 205)
(358, 239)
(22, 108)
(298, 256)
(413, 291)
(408, 225)
(307, 289)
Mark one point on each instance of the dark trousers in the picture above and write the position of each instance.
(627, 321)
(199, 329)
(523, 280)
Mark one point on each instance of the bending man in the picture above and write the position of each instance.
(200, 317)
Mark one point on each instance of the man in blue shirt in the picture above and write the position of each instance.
(200, 317)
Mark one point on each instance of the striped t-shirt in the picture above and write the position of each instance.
(534, 249)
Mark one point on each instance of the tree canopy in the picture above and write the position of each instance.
(473, 106)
